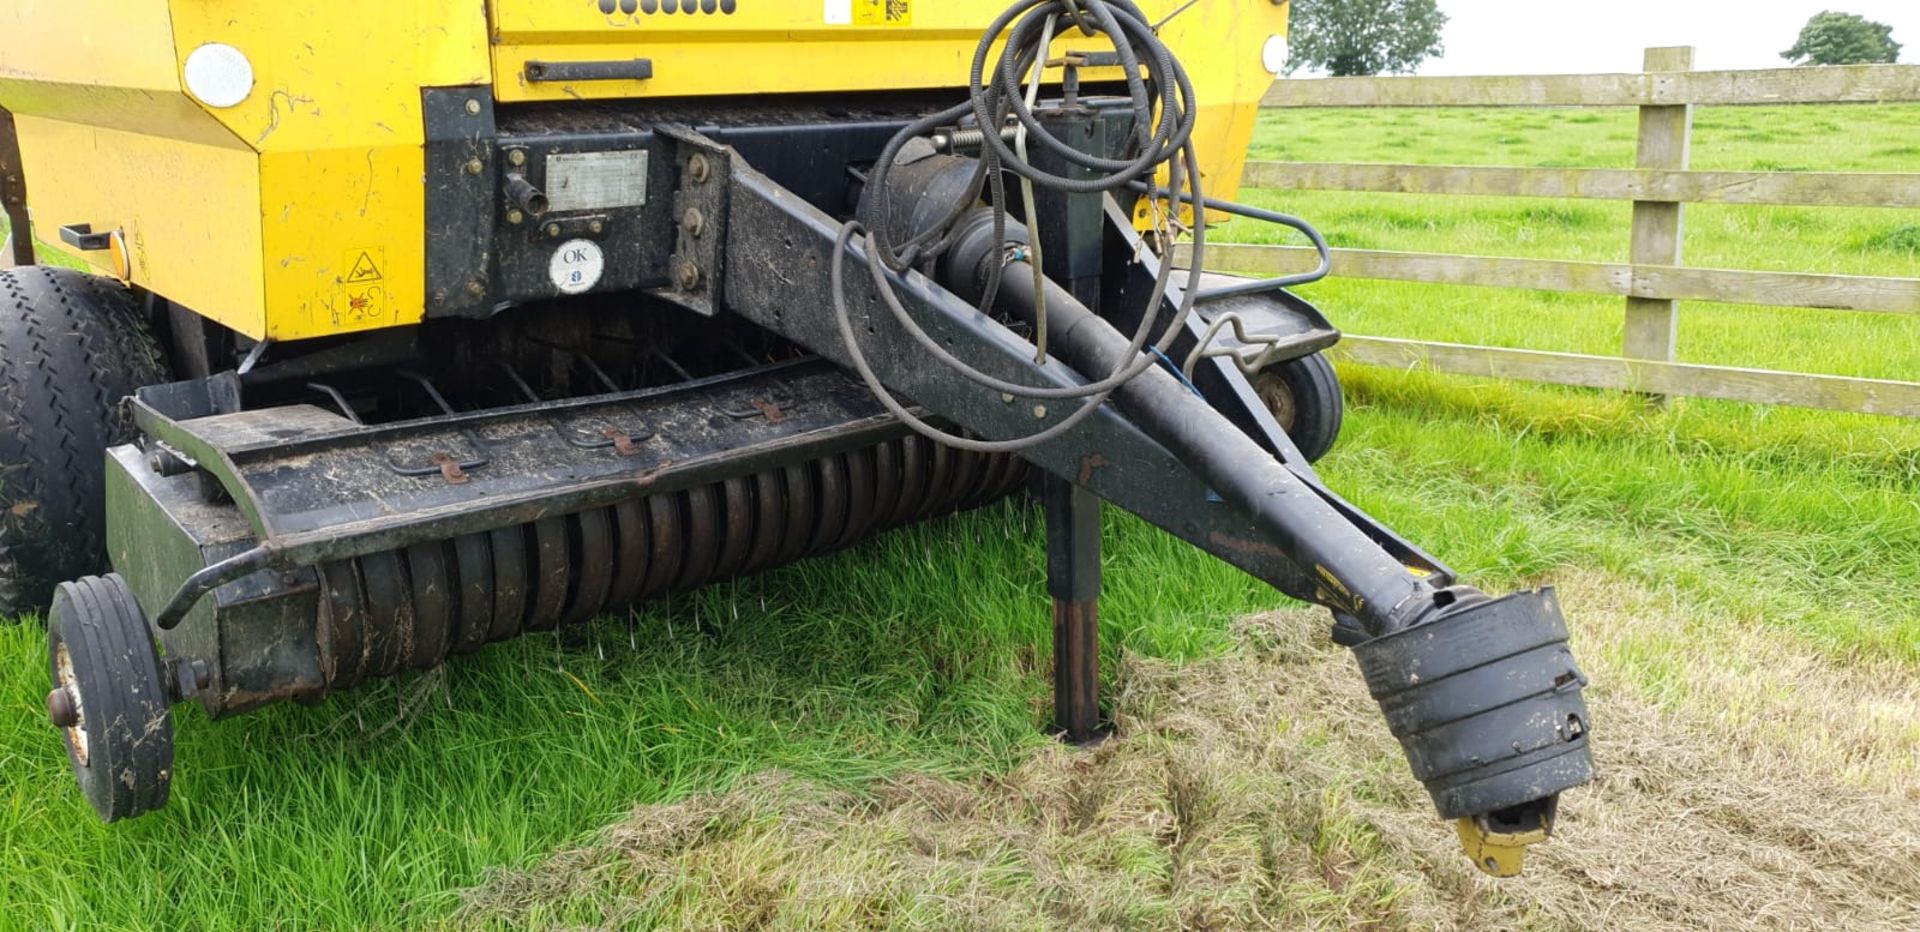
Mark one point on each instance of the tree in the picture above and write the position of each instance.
(1843, 39)
(1361, 37)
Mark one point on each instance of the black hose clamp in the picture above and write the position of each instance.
(1486, 703)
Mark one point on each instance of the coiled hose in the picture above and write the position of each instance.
(1163, 141)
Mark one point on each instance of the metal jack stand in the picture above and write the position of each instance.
(1073, 580)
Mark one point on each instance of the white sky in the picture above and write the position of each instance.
(1596, 36)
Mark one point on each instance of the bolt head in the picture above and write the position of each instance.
(515, 216)
(697, 168)
(693, 221)
(517, 156)
(596, 227)
(688, 276)
(553, 230)
(1040, 411)
(475, 167)
(473, 107)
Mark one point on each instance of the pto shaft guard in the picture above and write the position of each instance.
(1486, 702)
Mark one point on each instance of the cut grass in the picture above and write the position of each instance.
(1746, 614)
(1256, 790)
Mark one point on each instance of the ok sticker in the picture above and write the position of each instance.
(576, 266)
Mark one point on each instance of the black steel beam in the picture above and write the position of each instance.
(13, 192)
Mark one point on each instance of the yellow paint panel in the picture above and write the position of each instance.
(335, 113)
(345, 73)
(190, 213)
(851, 45)
(344, 236)
(109, 43)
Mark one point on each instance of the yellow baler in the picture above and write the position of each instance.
(447, 322)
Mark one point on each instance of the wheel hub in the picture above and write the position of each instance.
(64, 705)
(1278, 397)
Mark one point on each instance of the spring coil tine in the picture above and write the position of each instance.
(343, 630)
(385, 613)
(511, 581)
(801, 515)
(433, 607)
(968, 466)
(389, 612)
(632, 546)
(593, 565)
(914, 453)
(663, 519)
(886, 484)
(832, 514)
(860, 498)
(1013, 480)
(939, 481)
(994, 484)
(736, 509)
(703, 538)
(769, 521)
(473, 572)
(552, 569)
(992, 466)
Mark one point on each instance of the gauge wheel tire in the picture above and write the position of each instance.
(1304, 396)
(109, 697)
(72, 345)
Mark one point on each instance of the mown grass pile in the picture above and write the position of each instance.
(857, 740)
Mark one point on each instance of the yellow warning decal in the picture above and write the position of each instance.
(883, 12)
(363, 265)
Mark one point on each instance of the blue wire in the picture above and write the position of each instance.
(1182, 376)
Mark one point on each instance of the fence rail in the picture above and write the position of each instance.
(1844, 84)
(1787, 189)
(1654, 279)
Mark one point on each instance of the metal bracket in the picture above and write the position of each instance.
(697, 268)
(460, 130)
(13, 195)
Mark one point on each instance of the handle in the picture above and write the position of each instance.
(81, 236)
(637, 69)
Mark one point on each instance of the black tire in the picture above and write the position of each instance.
(116, 714)
(72, 345)
(1304, 396)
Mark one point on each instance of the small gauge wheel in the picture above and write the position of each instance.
(1304, 396)
(110, 698)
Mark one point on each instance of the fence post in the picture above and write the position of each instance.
(1666, 142)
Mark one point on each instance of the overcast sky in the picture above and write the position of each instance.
(1583, 36)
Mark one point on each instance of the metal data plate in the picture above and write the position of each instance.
(596, 180)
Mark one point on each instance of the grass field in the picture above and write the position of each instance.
(856, 741)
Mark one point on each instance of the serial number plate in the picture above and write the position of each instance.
(596, 180)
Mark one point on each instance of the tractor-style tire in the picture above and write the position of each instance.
(1304, 396)
(72, 345)
(110, 698)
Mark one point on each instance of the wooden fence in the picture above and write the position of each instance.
(1654, 280)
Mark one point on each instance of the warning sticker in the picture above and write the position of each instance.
(360, 304)
(363, 265)
(883, 12)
